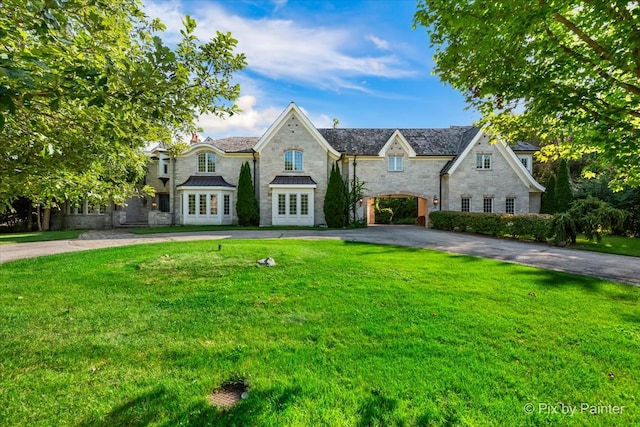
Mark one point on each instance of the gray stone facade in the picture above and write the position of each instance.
(440, 167)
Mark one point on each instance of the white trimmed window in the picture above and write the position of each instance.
(395, 164)
(206, 163)
(293, 160)
(487, 204)
(163, 166)
(510, 205)
(483, 161)
(465, 204)
(203, 206)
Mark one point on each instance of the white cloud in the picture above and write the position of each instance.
(380, 43)
(250, 122)
(290, 50)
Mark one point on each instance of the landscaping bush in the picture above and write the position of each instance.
(384, 216)
(593, 217)
(534, 225)
(563, 229)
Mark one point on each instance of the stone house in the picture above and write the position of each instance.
(449, 169)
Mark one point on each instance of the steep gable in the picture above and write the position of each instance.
(293, 111)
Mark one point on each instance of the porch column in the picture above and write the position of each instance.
(370, 211)
(423, 209)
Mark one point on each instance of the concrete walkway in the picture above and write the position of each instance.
(617, 268)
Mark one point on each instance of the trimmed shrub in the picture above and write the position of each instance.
(537, 226)
(336, 202)
(247, 204)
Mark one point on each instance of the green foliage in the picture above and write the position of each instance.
(593, 217)
(336, 202)
(356, 195)
(247, 203)
(85, 85)
(384, 215)
(563, 228)
(627, 199)
(404, 210)
(564, 194)
(564, 72)
(548, 202)
(536, 226)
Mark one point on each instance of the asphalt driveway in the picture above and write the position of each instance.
(616, 268)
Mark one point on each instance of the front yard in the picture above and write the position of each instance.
(337, 333)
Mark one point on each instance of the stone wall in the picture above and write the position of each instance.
(316, 163)
(499, 182)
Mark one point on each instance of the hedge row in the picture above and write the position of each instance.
(537, 226)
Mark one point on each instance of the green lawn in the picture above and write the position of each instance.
(337, 333)
(39, 236)
(612, 245)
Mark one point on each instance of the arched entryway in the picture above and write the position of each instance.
(423, 204)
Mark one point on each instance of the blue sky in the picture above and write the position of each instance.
(357, 61)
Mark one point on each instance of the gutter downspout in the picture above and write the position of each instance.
(253, 153)
(173, 190)
(355, 182)
(440, 194)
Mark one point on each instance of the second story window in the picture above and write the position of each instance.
(293, 160)
(395, 164)
(483, 161)
(206, 162)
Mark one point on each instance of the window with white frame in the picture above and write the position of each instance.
(163, 166)
(206, 163)
(465, 204)
(292, 206)
(483, 161)
(395, 164)
(510, 205)
(293, 160)
(487, 204)
(226, 205)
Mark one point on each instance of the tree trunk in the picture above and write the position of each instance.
(39, 219)
(46, 220)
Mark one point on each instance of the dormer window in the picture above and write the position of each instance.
(395, 164)
(293, 160)
(206, 162)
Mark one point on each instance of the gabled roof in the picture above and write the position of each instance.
(234, 144)
(425, 142)
(294, 110)
(206, 181)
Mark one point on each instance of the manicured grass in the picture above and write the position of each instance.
(337, 333)
(39, 236)
(611, 245)
(191, 228)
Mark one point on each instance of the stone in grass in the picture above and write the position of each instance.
(269, 262)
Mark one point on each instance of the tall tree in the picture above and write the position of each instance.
(85, 84)
(336, 203)
(548, 202)
(566, 72)
(247, 204)
(564, 194)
